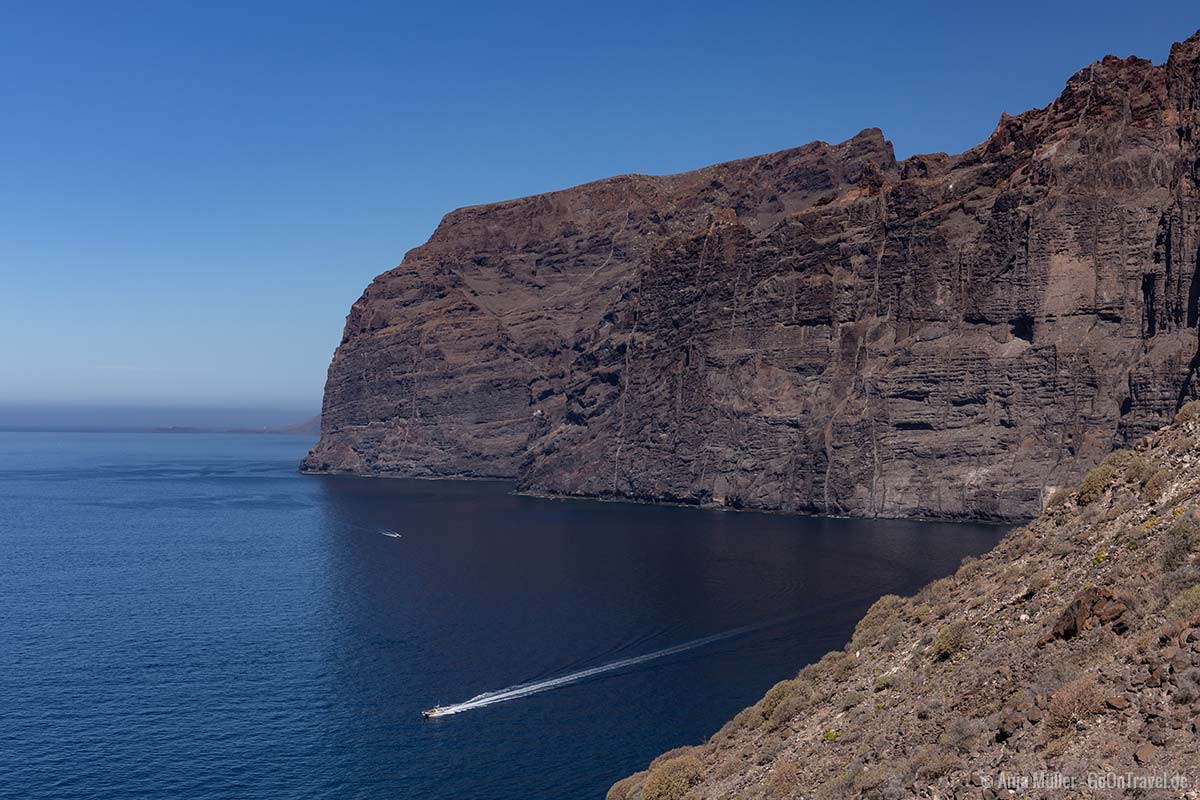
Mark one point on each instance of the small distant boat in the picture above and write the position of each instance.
(433, 712)
(392, 534)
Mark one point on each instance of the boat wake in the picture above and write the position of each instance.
(536, 687)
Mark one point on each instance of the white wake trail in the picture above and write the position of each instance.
(526, 689)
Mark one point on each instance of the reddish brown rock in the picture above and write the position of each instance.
(1117, 703)
(1092, 608)
(818, 330)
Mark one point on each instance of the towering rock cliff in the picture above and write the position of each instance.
(818, 330)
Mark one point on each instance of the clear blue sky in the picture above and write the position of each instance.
(193, 193)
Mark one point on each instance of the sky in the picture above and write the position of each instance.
(193, 194)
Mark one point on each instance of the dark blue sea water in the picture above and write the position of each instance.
(184, 616)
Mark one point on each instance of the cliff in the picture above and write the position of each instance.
(1071, 650)
(820, 330)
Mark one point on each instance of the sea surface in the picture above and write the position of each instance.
(185, 616)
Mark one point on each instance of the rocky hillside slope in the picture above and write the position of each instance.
(1071, 650)
(820, 330)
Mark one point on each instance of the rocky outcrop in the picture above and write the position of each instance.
(821, 330)
(1065, 660)
(1092, 608)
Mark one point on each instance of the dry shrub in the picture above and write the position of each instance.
(1139, 470)
(782, 702)
(727, 736)
(626, 788)
(1187, 687)
(951, 639)
(1073, 702)
(774, 697)
(933, 592)
(670, 779)
(1123, 501)
(789, 707)
(784, 781)
(1182, 540)
(1185, 607)
(727, 768)
(963, 734)
(748, 717)
(933, 761)
(841, 786)
(1118, 458)
(1095, 483)
(882, 615)
(836, 664)
(1058, 497)
(871, 778)
(919, 612)
(1188, 412)
(1152, 489)
(968, 567)
(850, 699)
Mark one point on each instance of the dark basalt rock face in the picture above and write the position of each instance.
(821, 330)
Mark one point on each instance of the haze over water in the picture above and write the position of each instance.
(186, 616)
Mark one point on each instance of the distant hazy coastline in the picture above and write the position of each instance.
(155, 419)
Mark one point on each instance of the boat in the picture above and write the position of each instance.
(433, 712)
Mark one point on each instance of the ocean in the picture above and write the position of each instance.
(186, 616)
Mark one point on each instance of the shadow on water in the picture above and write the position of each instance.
(485, 590)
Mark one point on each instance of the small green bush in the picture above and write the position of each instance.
(1095, 483)
(831, 735)
(671, 779)
(951, 639)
